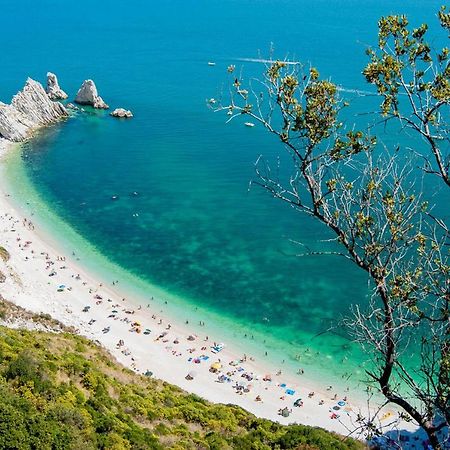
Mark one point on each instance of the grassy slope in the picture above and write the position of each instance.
(58, 391)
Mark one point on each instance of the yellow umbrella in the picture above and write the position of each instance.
(216, 366)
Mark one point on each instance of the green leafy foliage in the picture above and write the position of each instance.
(404, 61)
(60, 391)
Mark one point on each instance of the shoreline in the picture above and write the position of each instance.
(33, 259)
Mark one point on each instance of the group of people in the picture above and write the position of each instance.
(242, 381)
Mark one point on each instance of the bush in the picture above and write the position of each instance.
(25, 368)
(13, 432)
(91, 409)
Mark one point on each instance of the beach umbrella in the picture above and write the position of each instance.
(192, 373)
(216, 366)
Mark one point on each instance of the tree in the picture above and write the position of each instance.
(370, 198)
(404, 65)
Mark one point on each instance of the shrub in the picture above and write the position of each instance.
(92, 409)
(25, 368)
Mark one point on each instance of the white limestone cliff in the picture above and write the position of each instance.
(30, 109)
(53, 89)
(88, 95)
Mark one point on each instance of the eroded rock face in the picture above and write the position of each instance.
(30, 109)
(122, 113)
(53, 90)
(88, 95)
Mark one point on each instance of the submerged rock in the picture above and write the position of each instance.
(88, 95)
(122, 113)
(53, 90)
(30, 109)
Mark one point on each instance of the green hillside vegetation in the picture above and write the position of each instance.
(61, 391)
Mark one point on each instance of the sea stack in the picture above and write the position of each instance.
(88, 95)
(30, 109)
(122, 113)
(53, 90)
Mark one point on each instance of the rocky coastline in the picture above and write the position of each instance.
(34, 107)
(30, 109)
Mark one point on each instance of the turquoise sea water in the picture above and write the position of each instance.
(195, 230)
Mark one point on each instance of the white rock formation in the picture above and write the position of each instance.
(122, 113)
(53, 90)
(30, 109)
(88, 95)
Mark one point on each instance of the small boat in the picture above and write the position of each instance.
(210, 63)
(115, 197)
(249, 124)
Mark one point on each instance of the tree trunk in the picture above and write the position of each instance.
(433, 437)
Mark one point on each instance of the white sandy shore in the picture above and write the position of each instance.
(30, 285)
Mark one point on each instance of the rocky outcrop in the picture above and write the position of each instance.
(30, 109)
(122, 113)
(88, 95)
(53, 90)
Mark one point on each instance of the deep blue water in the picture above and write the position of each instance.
(198, 232)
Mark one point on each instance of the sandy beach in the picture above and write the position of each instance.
(43, 279)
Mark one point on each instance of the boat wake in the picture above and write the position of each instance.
(358, 92)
